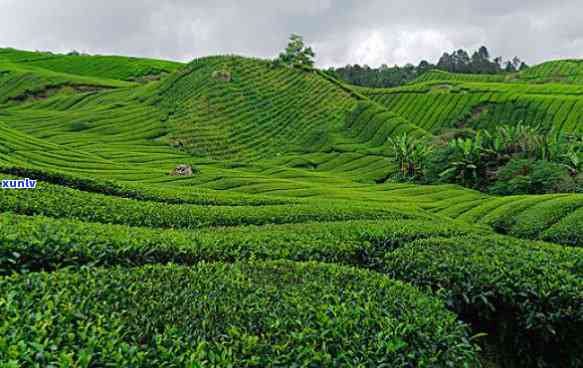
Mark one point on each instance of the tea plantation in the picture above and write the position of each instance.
(292, 244)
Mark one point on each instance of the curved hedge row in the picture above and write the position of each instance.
(440, 75)
(45, 244)
(145, 193)
(243, 315)
(568, 230)
(369, 123)
(61, 202)
(553, 217)
(559, 71)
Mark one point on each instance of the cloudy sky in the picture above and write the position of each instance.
(341, 31)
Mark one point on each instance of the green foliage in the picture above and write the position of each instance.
(509, 160)
(561, 71)
(107, 67)
(440, 75)
(567, 230)
(249, 118)
(456, 67)
(139, 192)
(60, 202)
(511, 140)
(532, 177)
(438, 104)
(296, 54)
(483, 277)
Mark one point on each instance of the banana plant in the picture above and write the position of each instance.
(410, 153)
(467, 160)
(573, 161)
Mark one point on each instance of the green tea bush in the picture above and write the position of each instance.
(487, 280)
(239, 315)
(568, 230)
(533, 221)
(529, 295)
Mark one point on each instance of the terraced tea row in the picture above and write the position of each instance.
(560, 71)
(23, 83)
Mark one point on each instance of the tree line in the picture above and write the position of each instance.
(460, 61)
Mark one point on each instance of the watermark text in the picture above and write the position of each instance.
(18, 184)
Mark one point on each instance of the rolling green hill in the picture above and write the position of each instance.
(289, 244)
(259, 112)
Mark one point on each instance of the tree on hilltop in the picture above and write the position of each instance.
(296, 53)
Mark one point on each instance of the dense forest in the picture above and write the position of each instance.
(458, 61)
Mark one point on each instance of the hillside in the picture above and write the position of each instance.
(105, 67)
(258, 112)
(560, 71)
(450, 103)
(291, 243)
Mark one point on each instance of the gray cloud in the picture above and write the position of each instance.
(341, 31)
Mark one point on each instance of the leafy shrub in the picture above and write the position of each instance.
(243, 315)
(532, 177)
(411, 154)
